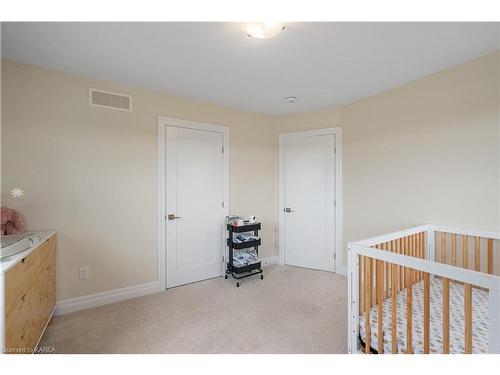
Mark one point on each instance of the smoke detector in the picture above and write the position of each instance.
(291, 99)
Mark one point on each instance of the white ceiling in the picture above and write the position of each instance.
(323, 64)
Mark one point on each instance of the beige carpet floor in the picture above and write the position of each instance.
(293, 310)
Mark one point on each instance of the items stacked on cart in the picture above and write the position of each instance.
(243, 260)
(244, 238)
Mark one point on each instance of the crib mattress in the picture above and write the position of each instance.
(480, 320)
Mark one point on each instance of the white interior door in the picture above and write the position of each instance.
(194, 196)
(308, 197)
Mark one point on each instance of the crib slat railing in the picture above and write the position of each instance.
(446, 315)
(368, 296)
(389, 274)
(420, 246)
(423, 246)
(406, 249)
(409, 311)
(427, 312)
(453, 249)
(442, 258)
(411, 245)
(477, 253)
(465, 253)
(380, 305)
(416, 241)
(394, 311)
(414, 249)
(482, 251)
(375, 281)
(490, 255)
(361, 301)
(381, 280)
(400, 268)
(468, 318)
(386, 273)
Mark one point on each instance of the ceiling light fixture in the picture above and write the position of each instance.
(291, 99)
(264, 30)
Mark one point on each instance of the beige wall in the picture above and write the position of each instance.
(427, 151)
(90, 173)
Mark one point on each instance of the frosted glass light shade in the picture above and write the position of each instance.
(264, 30)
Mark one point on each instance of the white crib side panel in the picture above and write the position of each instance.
(353, 301)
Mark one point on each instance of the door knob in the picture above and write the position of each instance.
(173, 217)
(288, 209)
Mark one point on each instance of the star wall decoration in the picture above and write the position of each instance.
(17, 192)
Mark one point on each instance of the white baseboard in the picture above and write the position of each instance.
(341, 270)
(98, 299)
(267, 261)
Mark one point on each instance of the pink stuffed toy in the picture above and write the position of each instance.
(11, 221)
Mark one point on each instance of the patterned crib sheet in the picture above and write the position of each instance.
(480, 320)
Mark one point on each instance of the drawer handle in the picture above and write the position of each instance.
(23, 297)
(23, 260)
(22, 336)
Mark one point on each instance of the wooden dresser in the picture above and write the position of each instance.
(28, 297)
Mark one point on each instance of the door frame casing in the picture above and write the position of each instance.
(337, 229)
(163, 122)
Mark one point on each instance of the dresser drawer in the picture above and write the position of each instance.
(25, 321)
(23, 275)
(23, 325)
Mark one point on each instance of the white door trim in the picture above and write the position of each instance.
(337, 131)
(162, 213)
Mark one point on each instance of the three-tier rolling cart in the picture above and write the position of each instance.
(251, 269)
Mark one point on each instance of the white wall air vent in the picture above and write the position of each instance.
(113, 100)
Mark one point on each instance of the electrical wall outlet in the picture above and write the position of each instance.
(84, 273)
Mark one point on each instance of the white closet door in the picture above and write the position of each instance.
(194, 189)
(309, 201)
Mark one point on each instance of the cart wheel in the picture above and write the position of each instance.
(262, 277)
(237, 284)
(225, 276)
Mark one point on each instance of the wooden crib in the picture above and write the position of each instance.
(446, 277)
